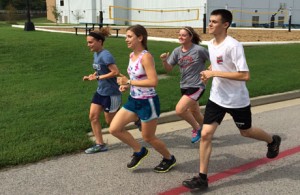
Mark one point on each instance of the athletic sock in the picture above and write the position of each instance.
(203, 176)
(140, 153)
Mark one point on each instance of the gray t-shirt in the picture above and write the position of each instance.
(191, 63)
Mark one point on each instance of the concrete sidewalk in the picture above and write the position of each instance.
(106, 173)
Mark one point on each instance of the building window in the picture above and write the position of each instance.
(280, 20)
(255, 21)
(62, 2)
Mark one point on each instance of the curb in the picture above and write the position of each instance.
(171, 116)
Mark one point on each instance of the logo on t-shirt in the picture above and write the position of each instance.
(186, 61)
(219, 59)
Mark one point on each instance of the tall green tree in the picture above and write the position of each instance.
(4, 4)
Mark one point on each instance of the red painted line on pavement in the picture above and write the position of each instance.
(235, 170)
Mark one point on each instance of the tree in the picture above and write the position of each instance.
(4, 4)
(11, 14)
(77, 15)
(56, 13)
(21, 4)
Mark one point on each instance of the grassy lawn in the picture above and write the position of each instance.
(44, 103)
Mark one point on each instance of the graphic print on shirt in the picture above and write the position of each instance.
(220, 60)
(186, 61)
(136, 72)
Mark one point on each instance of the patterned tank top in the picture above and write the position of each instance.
(136, 72)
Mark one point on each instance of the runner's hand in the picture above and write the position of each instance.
(121, 79)
(164, 56)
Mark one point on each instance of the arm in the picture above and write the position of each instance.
(114, 71)
(164, 57)
(85, 78)
(239, 76)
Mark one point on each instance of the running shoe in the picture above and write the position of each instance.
(196, 135)
(196, 183)
(137, 158)
(96, 148)
(138, 124)
(273, 148)
(165, 165)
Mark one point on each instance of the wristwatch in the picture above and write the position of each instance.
(128, 82)
(97, 77)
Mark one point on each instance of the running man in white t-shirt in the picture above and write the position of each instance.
(228, 94)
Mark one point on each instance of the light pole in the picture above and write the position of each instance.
(29, 26)
(101, 15)
(204, 19)
(290, 19)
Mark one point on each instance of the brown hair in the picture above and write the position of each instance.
(140, 30)
(225, 14)
(100, 34)
(195, 36)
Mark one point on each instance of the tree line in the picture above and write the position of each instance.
(22, 4)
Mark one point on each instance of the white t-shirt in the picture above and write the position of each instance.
(228, 57)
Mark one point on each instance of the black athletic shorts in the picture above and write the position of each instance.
(215, 113)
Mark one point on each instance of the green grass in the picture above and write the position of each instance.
(36, 21)
(44, 103)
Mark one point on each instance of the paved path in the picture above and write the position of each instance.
(242, 159)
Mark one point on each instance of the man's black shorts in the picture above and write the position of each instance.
(215, 113)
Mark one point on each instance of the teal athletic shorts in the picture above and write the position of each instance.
(146, 109)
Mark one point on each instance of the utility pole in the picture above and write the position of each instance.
(101, 15)
(29, 26)
(290, 19)
(204, 19)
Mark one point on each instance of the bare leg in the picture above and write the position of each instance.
(257, 133)
(95, 111)
(122, 118)
(182, 110)
(205, 150)
(148, 134)
(195, 110)
(109, 116)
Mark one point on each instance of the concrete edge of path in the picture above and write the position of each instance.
(171, 116)
(175, 40)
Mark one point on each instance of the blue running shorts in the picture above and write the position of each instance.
(110, 104)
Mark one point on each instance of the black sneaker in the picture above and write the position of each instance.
(196, 183)
(138, 124)
(136, 159)
(273, 148)
(165, 165)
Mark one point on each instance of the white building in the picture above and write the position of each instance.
(175, 12)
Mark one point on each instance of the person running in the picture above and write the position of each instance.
(191, 58)
(107, 97)
(143, 102)
(228, 94)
